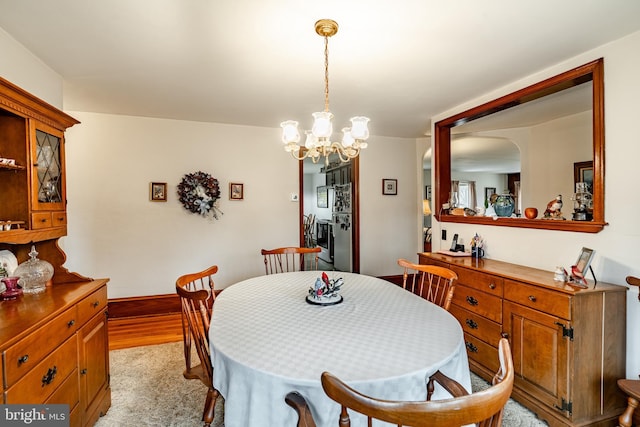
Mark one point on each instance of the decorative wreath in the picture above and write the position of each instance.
(199, 192)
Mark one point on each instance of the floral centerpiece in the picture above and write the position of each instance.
(199, 193)
(325, 291)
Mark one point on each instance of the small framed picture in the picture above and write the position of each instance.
(582, 265)
(158, 192)
(427, 192)
(488, 192)
(583, 172)
(236, 191)
(389, 187)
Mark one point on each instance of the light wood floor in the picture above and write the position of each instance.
(139, 331)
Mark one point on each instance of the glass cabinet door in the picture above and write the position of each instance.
(48, 175)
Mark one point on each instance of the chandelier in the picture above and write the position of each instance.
(318, 139)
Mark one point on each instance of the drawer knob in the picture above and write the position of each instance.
(70, 323)
(471, 300)
(492, 285)
(472, 348)
(95, 304)
(532, 298)
(504, 335)
(49, 376)
(471, 324)
(23, 359)
(83, 371)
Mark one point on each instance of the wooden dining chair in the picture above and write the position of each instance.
(282, 260)
(483, 408)
(197, 294)
(308, 230)
(435, 284)
(630, 387)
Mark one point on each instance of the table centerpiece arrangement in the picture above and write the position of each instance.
(325, 291)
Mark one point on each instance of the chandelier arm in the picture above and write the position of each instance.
(345, 154)
(295, 156)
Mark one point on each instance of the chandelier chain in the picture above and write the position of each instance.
(326, 73)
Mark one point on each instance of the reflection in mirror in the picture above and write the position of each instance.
(527, 144)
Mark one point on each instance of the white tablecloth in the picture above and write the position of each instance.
(266, 341)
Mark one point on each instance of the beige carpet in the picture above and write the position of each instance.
(148, 389)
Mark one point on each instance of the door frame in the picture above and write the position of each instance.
(355, 214)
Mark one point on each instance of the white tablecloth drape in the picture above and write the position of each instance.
(266, 341)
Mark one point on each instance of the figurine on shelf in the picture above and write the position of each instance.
(477, 245)
(554, 209)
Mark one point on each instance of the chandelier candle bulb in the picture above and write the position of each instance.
(359, 127)
(290, 133)
(347, 138)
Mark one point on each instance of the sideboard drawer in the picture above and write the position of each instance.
(554, 303)
(68, 393)
(41, 381)
(22, 356)
(482, 352)
(482, 281)
(481, 303)
(58, 219)
(40, 220)
(91, 305)
(476, 325)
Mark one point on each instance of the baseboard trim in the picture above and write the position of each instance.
(152, 305)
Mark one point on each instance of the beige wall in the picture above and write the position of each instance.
(22, 68)
(143, 246)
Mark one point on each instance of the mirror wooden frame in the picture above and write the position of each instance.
(593, 71)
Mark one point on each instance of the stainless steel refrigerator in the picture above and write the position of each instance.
(342, 228)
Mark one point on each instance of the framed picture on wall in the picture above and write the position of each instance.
(427, 192)
(389, 187)
(322, 197)
(583, 172)
(236, 191)
(158, 192)
(488, 192)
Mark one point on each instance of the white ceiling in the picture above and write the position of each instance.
(260, 62)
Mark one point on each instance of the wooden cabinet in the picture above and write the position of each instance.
(33, 186)
(93, 340)
(568, 343)
(54, 345)
(55, 349)
(338, 174)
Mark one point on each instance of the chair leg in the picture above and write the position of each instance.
(626, 418)
(209, 406)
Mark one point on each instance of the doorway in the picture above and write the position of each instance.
(316, 180)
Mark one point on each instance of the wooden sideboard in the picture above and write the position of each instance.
(55, 349)
(568, 343)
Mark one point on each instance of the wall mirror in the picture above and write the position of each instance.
(534, 138)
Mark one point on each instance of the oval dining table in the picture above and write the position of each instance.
(267, 340)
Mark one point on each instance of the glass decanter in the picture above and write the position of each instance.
(34, 273)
